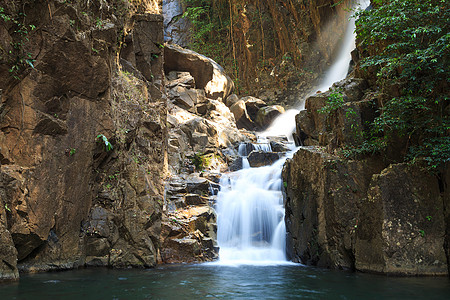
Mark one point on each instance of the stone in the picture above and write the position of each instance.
(280, 147)
(176, 28)
(253, 105)
(207, 73)
(148, 39)
(401, 228)
(180, 78)
(183, 98)
(267, 114)
(8, 253)
(241, 116)
(304, 126)
(323, 194)
(351, 88)
(57, 178)
(231, 99)
(259, 158)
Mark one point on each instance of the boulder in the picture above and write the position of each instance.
(258, 158)
(323, 194)
(267, 114)
(231, 99)
(401, 228)
(241, 116)
(253, 105)
(180, 78)
(207, 73)
(183, 97)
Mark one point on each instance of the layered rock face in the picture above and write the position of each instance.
(371, 214)
(200, 127)
(83, 144)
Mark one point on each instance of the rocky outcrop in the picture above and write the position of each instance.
(189, 228)
(176, 28)
(323, 197)
(402, 226)
(353, 215)
(82, 143)
(344, 124)
(372, 214)
(207, 73)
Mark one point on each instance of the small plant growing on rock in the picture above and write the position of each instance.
(108, 145)
(334, 101)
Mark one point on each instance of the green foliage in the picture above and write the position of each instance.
(18, 58)
(202, 161)
(367, 147)
(72, 151)
(210, 30)
(102, 138)
(197, 161)
(334, 101)
(411, 40)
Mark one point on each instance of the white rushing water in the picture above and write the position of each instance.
(250, 222)
(285, 124)
(250, 225)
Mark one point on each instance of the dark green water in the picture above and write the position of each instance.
(221, 282)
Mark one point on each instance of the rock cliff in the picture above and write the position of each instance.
(83, 137)
(367, 211)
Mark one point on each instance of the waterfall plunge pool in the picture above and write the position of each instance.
(203, 281)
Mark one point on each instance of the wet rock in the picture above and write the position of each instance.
(280, 146)
(236, 165)
(305, 126)
(8, 253)
(207, 73)
(259, 158)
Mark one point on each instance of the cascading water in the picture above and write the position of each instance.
(250, 223)
(285, 124)
(251, 227)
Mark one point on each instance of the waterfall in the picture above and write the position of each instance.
(250, 225)
(250, 211)
(285, 123)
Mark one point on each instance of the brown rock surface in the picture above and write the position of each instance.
(323, 197)
(57, 120)
(207, 73)
(402, 226)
